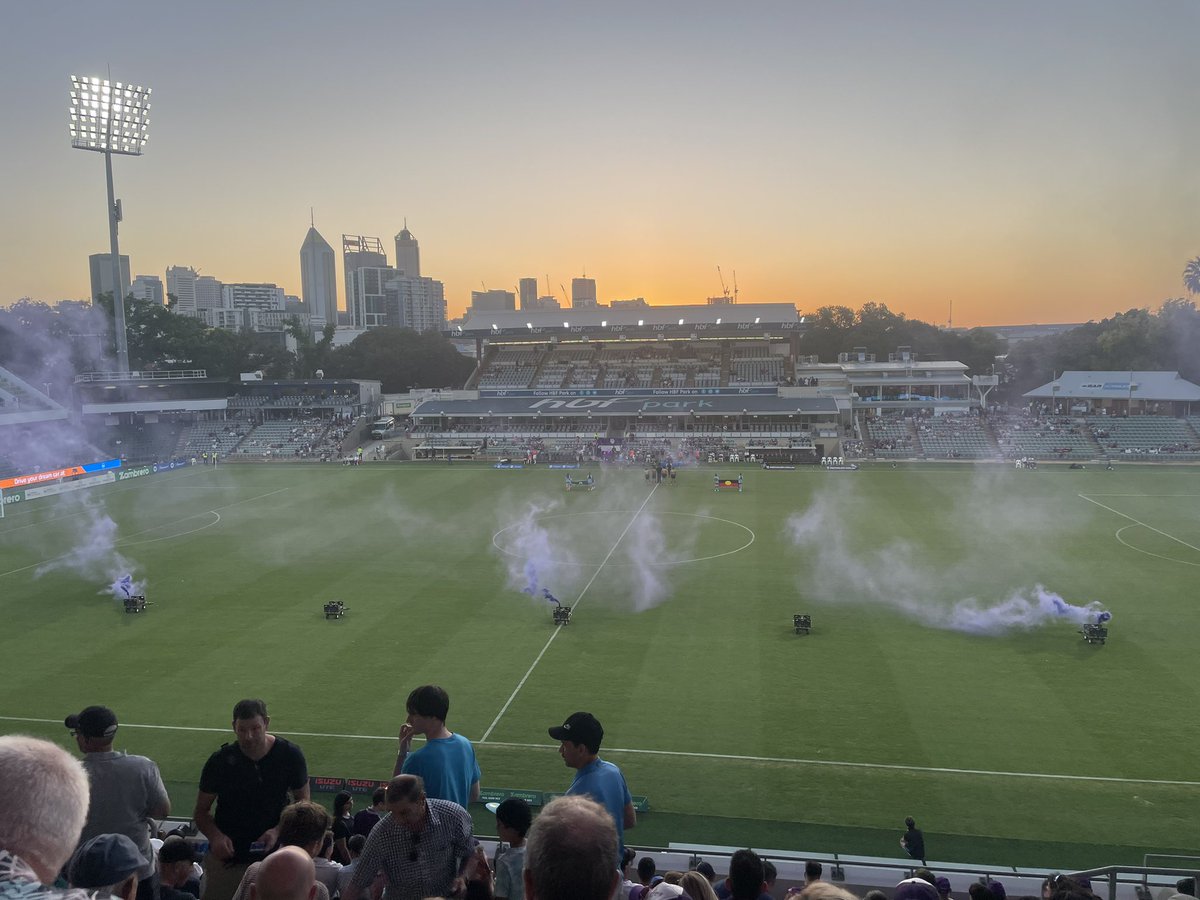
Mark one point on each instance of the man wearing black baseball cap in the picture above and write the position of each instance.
(579, 746)
(127, 791)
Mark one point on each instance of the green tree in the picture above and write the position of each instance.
(401, 359)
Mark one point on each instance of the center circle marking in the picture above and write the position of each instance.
(617, 512)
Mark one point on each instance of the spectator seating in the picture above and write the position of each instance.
(220, 437)
(891, 437)
(955, 437)
(1145, 435)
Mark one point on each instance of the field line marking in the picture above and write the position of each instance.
(1139, 522)
(119, 487)
(935, 770)
(120, 542)
(558, 629)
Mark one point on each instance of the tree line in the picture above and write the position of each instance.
(45, 344)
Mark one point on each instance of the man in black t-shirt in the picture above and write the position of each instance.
(249, 780)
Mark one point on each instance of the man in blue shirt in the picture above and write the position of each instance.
(579, 746)
(447, 762)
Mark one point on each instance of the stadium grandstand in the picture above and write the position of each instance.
(157, 417)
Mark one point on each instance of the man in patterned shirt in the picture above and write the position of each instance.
(43, 805)
(423, 847)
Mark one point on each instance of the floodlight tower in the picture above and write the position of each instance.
(110, 118)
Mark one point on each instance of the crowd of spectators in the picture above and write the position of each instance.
(80, 829)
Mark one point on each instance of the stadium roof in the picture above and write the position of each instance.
(749, 315)
(1164, 386)
(603, 407)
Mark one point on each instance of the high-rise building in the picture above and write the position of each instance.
(367, 298)
(528, 288)
(318, 279)
(101, 271)
(252, 296)
(148, 288)
(209, 293)
(493, 301)
(419, 303)
(181, 284)
(408, 253)
(360, 252)
(583, 292)
(217, 317)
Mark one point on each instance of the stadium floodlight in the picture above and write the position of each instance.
(111, 117)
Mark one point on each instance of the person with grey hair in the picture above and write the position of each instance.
(43, 805)
(570, 851)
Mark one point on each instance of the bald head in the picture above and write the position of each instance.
(287, 874)
(571, 852)
(43, 803)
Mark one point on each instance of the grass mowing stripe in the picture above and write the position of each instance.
(525, 677)
(732, 757)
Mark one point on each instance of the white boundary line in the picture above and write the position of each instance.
(1144, 525)
(734, 757)
(558, 629)
(124, 541)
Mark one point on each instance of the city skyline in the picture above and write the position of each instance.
(1024, 162)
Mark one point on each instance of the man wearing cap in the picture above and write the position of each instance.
(249, 780)
(178, 874)
(107, 864)
(43, 803)
(579, 746)
(127, 791)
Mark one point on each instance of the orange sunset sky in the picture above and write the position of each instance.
(1025, 161)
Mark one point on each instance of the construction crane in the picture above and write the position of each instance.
(735, 300)
(566, 297)
(724, 289)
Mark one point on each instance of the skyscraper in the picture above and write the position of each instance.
(101, 271)
(419, 303)
(528, 288)
(149, 288)
(408, 253)
(361, 252)
(493, 300)
(318, 279)
(209, 293)
(181, 284)
(583, 292)
(367, 297)
(252, 296)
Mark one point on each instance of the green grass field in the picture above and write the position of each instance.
(1028, 747)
